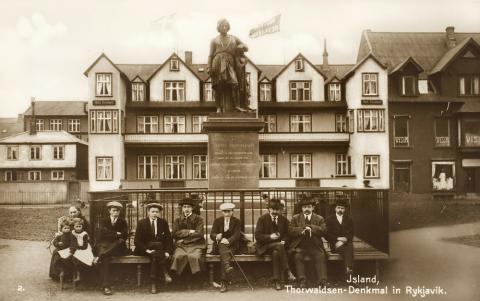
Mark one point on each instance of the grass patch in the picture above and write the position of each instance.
(31, 223)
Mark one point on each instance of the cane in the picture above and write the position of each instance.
(239, 267)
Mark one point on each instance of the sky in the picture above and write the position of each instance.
(46, 45)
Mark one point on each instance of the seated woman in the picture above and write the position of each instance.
(60, 267)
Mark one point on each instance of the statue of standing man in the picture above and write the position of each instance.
(226, 67)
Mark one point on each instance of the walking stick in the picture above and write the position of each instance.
(241, 270)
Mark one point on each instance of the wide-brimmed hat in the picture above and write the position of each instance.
(188, 201)
(154, 205)
(343, 201)
(227, 206)
(306, 200)
(114, 204)
(274, 204)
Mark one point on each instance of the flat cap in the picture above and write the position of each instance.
(114, 204)
(227, 206)
(154, 205)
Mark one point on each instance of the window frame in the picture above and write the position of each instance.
(471, 77)
(396, 166)
(291, 123)
(435, 143)
(398, 117)
(13, 175)
(154, 167)
(13, 149)
(344, 170)
(137, 95)
(179, 167)
(299, 65)
(58, 172)
(296, 82)
(94, 121)
(343, 123)
(174, 64)
(199, 164)
(199, 123)
(403, 86)
(34, 172)
(58, 152)
(370, 81)
(336, 92)
(97, 94)
(264, 93)
(36, 146)
(167, 89)
(361, 119)
(40, 123)
(268, 123)
(55, 124)
(365, 176)
(267, 164)
(105, 158)
(171, 132)
(310, 164)
(208, 92)
(151, 124)
(73, 125)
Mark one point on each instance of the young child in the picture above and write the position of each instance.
(61, 265)
(80, 248)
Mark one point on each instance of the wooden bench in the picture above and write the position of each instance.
(362, 251)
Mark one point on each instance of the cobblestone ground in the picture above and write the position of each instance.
(418, 258)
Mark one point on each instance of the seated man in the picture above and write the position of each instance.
(153, 239)
(226, 236)
(271, 234)
(189, 240)
(110, 241)
(340, 235)
(306, 230)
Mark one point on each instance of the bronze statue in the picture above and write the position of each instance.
(226, 67)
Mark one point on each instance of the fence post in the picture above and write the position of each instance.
(242, 210)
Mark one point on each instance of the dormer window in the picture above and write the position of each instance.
(334, 92)
(408, 85)
(423, 86)
(469, 84)
(299, 66)
(265, 92)
(138, 91)
(104, 84)
(174, 65)
(208, 91)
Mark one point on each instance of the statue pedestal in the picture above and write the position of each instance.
(233, 150)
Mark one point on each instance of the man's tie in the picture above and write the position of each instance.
(308, 220)
(275, 223)
(153, 228)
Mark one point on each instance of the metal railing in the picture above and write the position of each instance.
(368, 207)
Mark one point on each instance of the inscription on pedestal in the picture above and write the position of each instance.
(233, 160)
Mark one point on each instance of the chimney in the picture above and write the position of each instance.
(188, 57)
(33, 125)
(451, 41)
(325, 54)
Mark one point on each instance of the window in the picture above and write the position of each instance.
(104, 84)
(197, 123)
(73, 125)
(350, 120)
(174, 124)
(35, 152)
(58, 152)
(370, 84)
(401, 131)
(138, 91)
(470, 132)
(469, 85)
(299, 66)
(268, 167)
(270, 123)
(34, 175)
(40, 125)
(104, 168)
(408, 85)
(57, 175)
(340, 123)
(443, 176)
(300, 91)
(174, 167)
(343, 165)
(371, 166)
(442, 132)
(300, 123)
(208, 92)
(55, 124)
(12, 152)
(103, 121)
(147, 124)
(301, 166)
(423, 86)
(147, 167)
(10, 175)
(200, 166)
(334, 92)
(265, 92)
(370, 120)
(174, 65)
(174, 91)
(401, 177)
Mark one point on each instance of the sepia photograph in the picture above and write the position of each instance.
(237, 150)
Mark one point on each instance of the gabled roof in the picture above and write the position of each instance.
(200, 70)
(50, 137)
(58, 108)
(392, 48)
(335, 71)
(174, 55)
(269, 71)
(357, 65)
(10, 126)
(448, 57)
(305, 59)
(103, 55)
(144, 71)
(409, 60)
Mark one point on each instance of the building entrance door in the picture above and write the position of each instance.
(470, 185)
